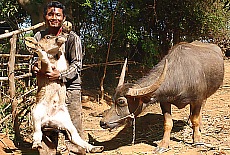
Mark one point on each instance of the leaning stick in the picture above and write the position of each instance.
(6, 35)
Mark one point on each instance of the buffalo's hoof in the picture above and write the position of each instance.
(203, 145)
(198, 144)
(160, 150)
(97, 149)
(37, 145)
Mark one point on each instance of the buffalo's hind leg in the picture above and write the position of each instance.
(195, 117)
(168, 124)
(200, 117)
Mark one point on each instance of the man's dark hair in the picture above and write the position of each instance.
(55, 4)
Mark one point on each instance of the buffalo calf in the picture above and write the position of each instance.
(50, 109)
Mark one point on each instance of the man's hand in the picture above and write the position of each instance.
(54, 75)
(35, 68)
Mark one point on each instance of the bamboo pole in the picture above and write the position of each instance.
(9, 34)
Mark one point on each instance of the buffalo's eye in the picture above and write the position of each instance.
(122, 102)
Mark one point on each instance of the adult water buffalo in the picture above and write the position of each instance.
(188, 74)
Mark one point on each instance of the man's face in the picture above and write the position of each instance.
(54, 17)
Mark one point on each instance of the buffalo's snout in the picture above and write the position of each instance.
(110, 125)
(115, 116)
(103, 125)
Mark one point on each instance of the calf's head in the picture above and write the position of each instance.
(129, 100)
(49, 43)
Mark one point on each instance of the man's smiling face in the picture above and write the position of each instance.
(54, 17)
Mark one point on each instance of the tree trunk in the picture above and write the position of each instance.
(11, 64)
(176, 37)
(34, 9)
(164, 46)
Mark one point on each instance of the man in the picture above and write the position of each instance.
(54, 15)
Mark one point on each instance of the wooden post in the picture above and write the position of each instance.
(11, 63)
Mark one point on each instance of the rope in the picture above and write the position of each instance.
(134, 130)
(123, 118)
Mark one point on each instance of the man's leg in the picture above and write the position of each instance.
(74, 105)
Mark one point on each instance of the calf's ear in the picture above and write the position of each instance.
(31, 42)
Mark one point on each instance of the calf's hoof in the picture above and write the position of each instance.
(37, 145)
(160, 150)
(96, 149)
(75, 149)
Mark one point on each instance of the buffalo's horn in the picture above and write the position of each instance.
(122, 77)
(151, 88)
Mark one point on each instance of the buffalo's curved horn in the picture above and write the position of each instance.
(151, 88)
(122, 76)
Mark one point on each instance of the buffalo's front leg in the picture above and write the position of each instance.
(37, 114)
(168, 124)
(195, 117)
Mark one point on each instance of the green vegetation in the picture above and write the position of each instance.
(142, 30)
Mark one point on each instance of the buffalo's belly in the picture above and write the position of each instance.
(178, 100)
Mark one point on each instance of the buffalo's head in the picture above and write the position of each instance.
(129, 100)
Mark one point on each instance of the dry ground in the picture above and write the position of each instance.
(149, 129)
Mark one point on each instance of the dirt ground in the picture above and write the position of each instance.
(149, 129)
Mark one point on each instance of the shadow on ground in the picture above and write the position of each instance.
(149, 128)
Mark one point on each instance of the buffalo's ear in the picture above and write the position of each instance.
(31, 42)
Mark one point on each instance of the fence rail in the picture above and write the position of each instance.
(26, 71)
(17, 55)
(16, 77)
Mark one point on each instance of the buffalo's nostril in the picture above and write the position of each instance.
(102, 124)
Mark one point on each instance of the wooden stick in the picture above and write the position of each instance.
(6, 35)
(5, 118)
(6, 145)
(17, 55)
(28, 92)
(16, 77)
